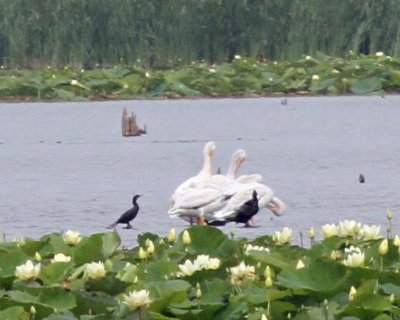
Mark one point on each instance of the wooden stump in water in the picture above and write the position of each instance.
(129, 125)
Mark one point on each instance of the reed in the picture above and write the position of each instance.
(175, 32)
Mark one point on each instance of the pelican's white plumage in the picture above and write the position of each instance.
(237, 159)
(197, 202)
(218, 197)
(204, 174)
(240, 193)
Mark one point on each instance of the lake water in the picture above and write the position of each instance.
(66, 166)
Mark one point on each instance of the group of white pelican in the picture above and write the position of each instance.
(216, 199)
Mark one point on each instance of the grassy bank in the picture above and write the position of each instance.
(202, 273)
(319, 74)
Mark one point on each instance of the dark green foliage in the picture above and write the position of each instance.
(86, 33)
(244, 76)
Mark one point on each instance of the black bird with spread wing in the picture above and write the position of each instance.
(243, 214)
(129, 215)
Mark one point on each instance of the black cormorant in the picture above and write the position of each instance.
(129, 215)
(243, 214)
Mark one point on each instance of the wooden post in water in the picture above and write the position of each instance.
(129, 125)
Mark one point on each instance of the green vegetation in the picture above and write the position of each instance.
(319, 74)
(203, 274)
(167, 33)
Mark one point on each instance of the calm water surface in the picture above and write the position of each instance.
(66, 166)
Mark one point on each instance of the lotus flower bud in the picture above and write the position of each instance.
(198, 293)
(33, 310)
(383, 247)
(300, 265)
(38, 257)
(150, 246)
(389, 214)
(352, 293)
(396, 241)
(186, 238)
(142, 254)
(264, 317)
(392, 298)
(268, 272)
(311, 233)
(268, 282)
(171, 236)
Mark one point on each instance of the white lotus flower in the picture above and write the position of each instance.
(188, 268)
(74, 82)
(315, 77)
(250, 247)
(355, 259)
(370, 232)
(205, 262)
(60, 257)
(284, 237)
(137, 299)
(329, 230)
(241, 273)
(27, 271)
(349, 228)
(95, 270)
(72, 237)
(379, 54)
(213, 264)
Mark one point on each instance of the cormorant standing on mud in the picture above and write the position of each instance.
(129, 215)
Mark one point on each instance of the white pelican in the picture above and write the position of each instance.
(203, 175)
(237, 159)
(221, 180)
(197, 202)
(277, 206)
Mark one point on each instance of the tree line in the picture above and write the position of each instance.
(167, 33)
